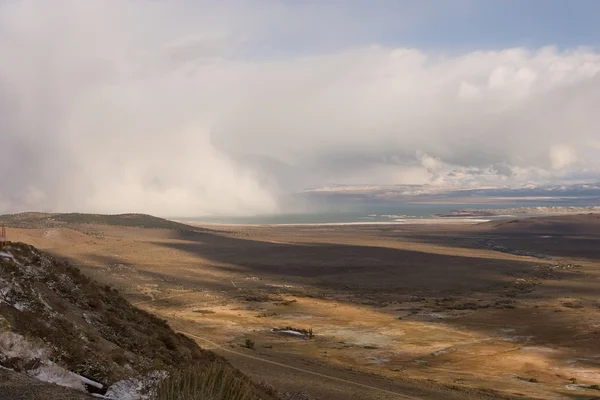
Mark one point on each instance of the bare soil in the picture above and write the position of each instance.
(398, 311)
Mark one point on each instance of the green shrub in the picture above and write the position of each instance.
(249, 344)
(216, 382)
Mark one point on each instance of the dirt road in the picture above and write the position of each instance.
(359, 386)
(334, 384)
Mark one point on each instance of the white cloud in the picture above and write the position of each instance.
(158, 107)
(468, 91)
(561, 156)
(431, 164)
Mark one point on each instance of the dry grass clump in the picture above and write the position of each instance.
(214, 382)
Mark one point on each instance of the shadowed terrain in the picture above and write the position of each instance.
(496, 310)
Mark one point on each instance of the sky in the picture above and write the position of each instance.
(192, 108)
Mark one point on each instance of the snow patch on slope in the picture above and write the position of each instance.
(15, 349)
(136, 388)
(13, 345)
(4, 254)
(52, 373)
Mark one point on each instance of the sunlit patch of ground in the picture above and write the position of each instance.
(427, 303)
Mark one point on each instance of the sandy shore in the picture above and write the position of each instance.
(415, 221)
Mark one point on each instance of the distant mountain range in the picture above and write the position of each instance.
(423, 193)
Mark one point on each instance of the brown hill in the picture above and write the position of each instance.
(58, 325)
(57, 220)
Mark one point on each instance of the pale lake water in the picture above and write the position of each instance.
(402, 213)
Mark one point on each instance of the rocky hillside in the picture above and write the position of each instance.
(59, 326)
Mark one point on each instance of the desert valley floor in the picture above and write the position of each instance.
(506, 309)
